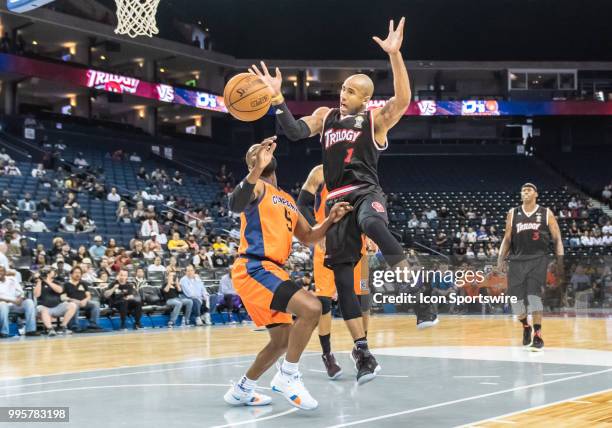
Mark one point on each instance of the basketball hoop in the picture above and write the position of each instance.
(137, 17)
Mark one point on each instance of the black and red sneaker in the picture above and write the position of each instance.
(527, 335)
(538, 343)
(334, 371)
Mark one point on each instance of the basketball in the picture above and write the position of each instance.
(247, 97)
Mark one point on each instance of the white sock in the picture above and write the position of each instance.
(289, 368)
(245, 384)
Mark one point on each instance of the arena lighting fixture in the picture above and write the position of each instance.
(162, 70)
(103, 57)
(34, 42)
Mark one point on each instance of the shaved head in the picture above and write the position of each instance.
(361, 83)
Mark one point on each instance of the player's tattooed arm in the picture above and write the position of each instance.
(386, 117)
(310, 235)
(251, 189)
(504, 248)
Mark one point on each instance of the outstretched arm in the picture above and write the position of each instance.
(386, 117)
(310, 235)
(250, 188)
(305, 127)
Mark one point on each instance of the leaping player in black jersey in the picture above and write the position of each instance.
(529, 230)
(352, 139)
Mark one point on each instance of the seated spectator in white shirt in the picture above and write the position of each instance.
(39, 171)
(471, 235)
(586, 240)
(12, 169)
(149, 226)
(113, 196)
(156, 266)
(13, 300)
(607, 227)
(34, 224)
(607, 239)
(4, 156)
(134, 157)
(430, 213)
(413, 222)
(68, 223)
(606, 194)
(80, 161)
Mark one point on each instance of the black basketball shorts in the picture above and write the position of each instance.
(527, 277)
(343, 242)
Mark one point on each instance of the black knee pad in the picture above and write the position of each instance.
(325, 304)
(377, 230)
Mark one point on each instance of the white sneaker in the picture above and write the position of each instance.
(237, 397)
(207, 319)
(199, 321)
(293, 389)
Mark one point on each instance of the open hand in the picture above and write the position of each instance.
(339, 210)
(273, 82)
(264, 153)
(393, 42)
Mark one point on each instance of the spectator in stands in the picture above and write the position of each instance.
(156, 266)
(607, 228)
(606, 194)
(139, 213)
(142, 174)
(80, 160)
(220, 246)
(123, 213)
(27, 204)
(229, 295)
(48, 296)
(113, 196)
(62, 268)
(149, 226)
(6, 203)
(6, 45)
(471, 235)
(112, 248)
(81, 254)
(122, 260)
(103, 280)
(125, 298)
(177, 245)
(137, 253)
(39, 262)
(44, 205)
(586, 240)
(441, 240)
(89, 273)
(99, 191)
(177, 178)
(68, 223)
(223, 176)
(203, 259)
(97, 250)
(85, 225)
(172, 293)
(198, 230)
(71, 201)
(430, 213)
(77, 292)
(13, 300)
(469, 252)
(34, 224)
(443, 212)
(481, 255)
(481, 234)
(140, 280)
(153, 244)
(105, 266)
(135, 157)
(12, 169)
(24, 248)
(39, 171)
(193, 288)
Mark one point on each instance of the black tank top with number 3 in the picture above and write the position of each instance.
(530, 233)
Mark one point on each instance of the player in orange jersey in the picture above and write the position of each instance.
(269, 219)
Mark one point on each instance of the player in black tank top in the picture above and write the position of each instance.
(530, 229)
(351, 138)
(350, 152)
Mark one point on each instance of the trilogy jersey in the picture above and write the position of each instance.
(267, 226)
(350, 152)
(530, 233)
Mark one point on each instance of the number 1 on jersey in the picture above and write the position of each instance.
(349, 155)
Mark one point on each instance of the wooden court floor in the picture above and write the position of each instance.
(78, 353)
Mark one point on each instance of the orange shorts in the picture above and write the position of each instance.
(325, 285)
(255, 282)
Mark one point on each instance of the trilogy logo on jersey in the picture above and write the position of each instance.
(527, 226)
(280, 200)
(112, 82)
(479, 108)
(427, 108)
(165, 93)
(334, 136)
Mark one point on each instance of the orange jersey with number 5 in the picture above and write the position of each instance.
(267, 226)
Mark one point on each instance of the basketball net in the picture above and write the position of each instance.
(136, 17)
